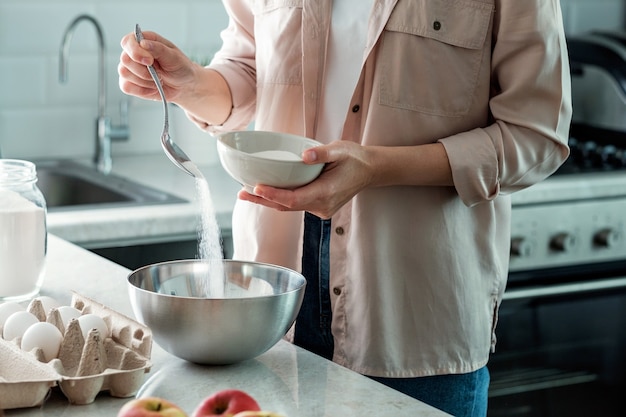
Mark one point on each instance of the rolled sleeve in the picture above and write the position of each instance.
(243, 94)
(530, 105)
(236, 62)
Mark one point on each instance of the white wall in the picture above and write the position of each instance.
(41, 118)
(580, 16)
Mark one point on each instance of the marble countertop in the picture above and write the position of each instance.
(286, 379)
(103, 227)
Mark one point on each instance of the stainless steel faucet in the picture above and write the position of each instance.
(106, 132)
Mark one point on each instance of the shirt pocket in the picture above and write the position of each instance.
(431, 55)
(277, 32)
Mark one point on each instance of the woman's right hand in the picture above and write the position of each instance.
(202, 92)
(175, 70)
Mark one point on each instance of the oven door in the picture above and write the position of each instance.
(561, 347)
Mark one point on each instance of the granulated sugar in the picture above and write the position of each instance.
(278, 155)
(209, 246)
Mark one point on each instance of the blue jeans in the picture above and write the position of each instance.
(313, 329)
(463, 395)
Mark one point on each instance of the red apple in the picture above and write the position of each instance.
(226, 403)
(258, 414)
(150, 407)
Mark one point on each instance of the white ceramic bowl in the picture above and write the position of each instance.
(270, 158)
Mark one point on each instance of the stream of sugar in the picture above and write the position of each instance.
(209, 247)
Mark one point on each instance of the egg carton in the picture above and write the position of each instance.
(115, 362)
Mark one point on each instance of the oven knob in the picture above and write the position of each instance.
(562, 242)
(607, 238)
(521, 247)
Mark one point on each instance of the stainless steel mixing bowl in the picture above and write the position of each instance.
(260, 305)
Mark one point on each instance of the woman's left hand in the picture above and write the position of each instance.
(348, 170)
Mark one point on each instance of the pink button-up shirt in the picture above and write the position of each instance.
(417, 273)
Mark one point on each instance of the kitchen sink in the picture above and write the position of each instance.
(68, 185)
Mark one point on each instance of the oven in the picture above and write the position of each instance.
(561, 332)
(561, 348)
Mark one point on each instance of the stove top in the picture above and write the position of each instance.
(596, 168)
(591, 156)
(594, 150)
(578, 215)
(574, 188)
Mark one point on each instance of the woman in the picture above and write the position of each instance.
(432, 113)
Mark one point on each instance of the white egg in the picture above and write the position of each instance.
(68, 313)
(93, 321)
(45, 336)
(48, 303)
(17, 323)
(8, 308)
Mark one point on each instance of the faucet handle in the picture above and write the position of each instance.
(121, 131)
(124, 106)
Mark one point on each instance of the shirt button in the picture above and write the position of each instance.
(339, 230)
(337, 291)
(356, 108)
(437, 25)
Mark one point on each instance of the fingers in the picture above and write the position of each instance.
(252, 198)
(134, 78)
(149, 93)
(133, 71)
(153, 37)
(326, 153)
(138, 53)
(288, 200)
(310, 156)
(133, 61)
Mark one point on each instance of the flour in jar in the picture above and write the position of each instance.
(22, 244)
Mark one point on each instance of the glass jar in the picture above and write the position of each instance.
(23, 232)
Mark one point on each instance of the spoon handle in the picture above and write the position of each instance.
(155, 77)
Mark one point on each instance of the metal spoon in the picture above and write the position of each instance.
(173, 151)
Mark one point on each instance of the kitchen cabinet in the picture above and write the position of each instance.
(138, 255)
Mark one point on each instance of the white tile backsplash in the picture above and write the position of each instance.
(39, 117)
(24, 81)
(42, 118)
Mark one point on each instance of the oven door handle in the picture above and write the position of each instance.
(565, 289)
